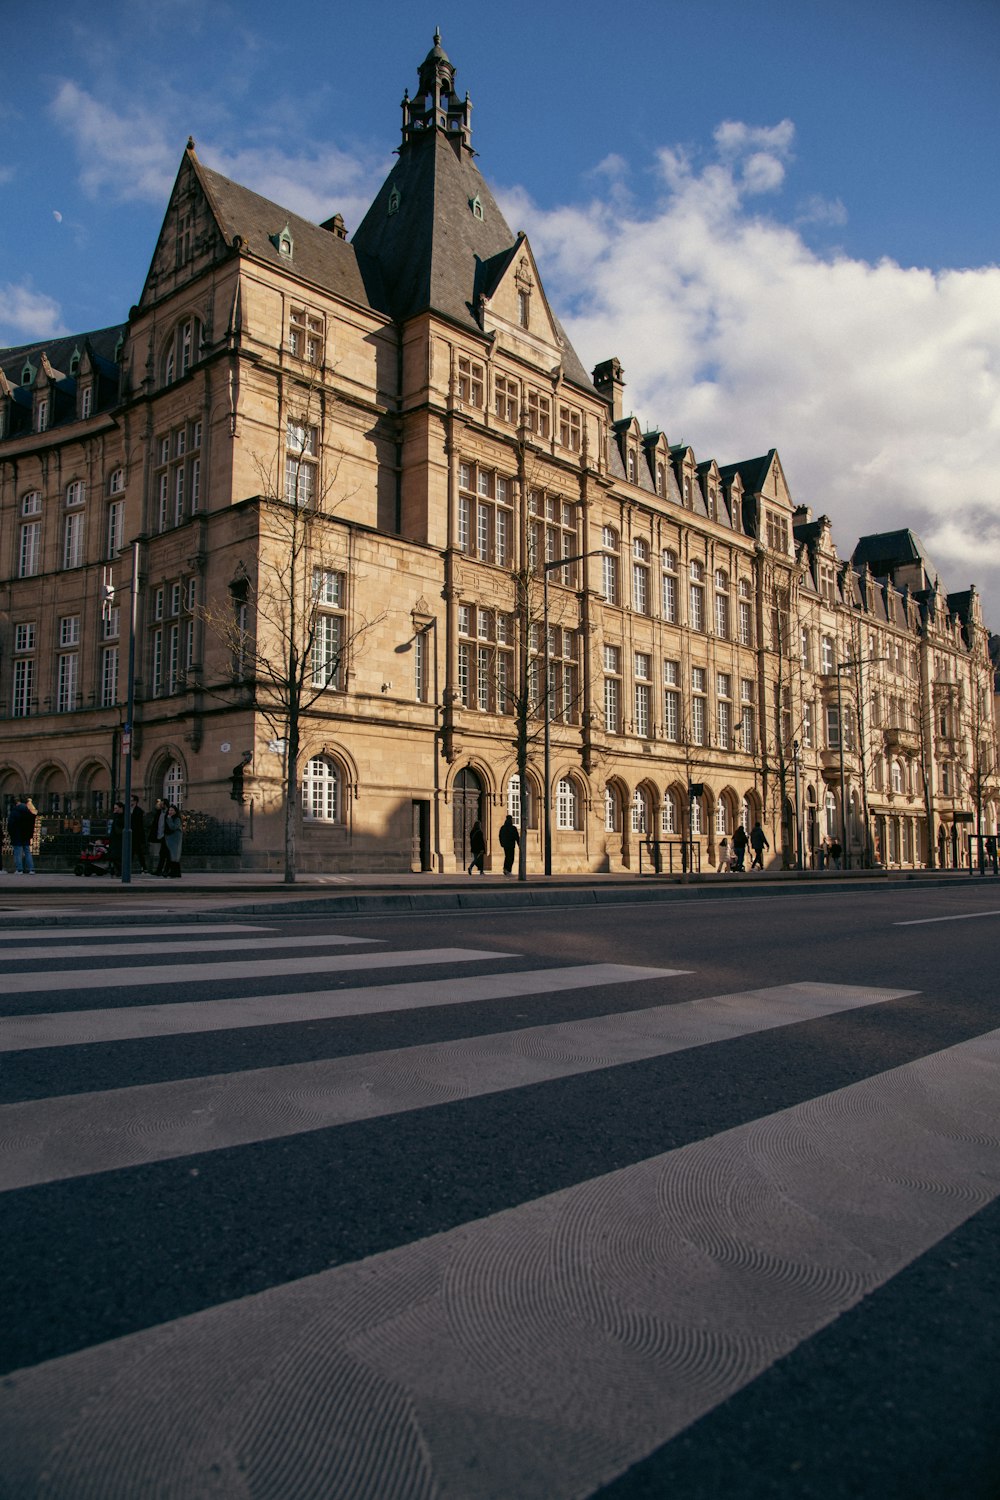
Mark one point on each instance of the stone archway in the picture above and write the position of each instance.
(467, 800)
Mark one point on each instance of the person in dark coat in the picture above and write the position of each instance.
(740, 846)
(138, 825)
(758, 843)
(509, 840)
(156, 847)
(477, 847)
(115, 832)
(21, 828)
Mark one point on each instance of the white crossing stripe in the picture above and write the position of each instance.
(54, 932)
(209, 945)
(169, 972)
(71, 1028)
(963, 916)
(59, 1138)
(543, 1350)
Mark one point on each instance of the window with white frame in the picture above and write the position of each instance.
(698, 707)
(567, 804)
(485, 659)
(697, 816)
(805, 648)
(723, 710)
(722, 817)
(748, 715)
(745, 612)
(612, 689)
(116, 483)
(72, 555)
(29, 549)
(75, 493)
(321, 791)
(329, 595)
(69, 630)
(421, 675)
(181, 350)
(31, 503)
(41, 413)
(570, 428)
(643, 667)
(538, 414)
(471, 381)
(302, 450)
(641, 816)
(115, 534)
(808, 730)
(830, 807)
(305, 336)
(552, 534)
(669, 819)
(506, 398)
(669, 565)
(722, 604)
(897, 778)
(67, 673)
(696, 595)
(832, 726)
(612, 811)
(485, 514)
(514, 801)
(23, 698)
(640, 576)
(563, 675)
(609, 564)
(672, 701)
(86, 402)
(827, 658)
(177, 478)
(109, 676)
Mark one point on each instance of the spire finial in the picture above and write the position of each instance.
(437, 36)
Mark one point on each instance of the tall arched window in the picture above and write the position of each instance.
(831, 815)
(321, 791)
(567, 804)
(640, 811)
(182, 350)
(696, 608)
(722, 816)
(669, 564)
(514, 801)
(640, 576)
(173, 784)
(669, 821)
(612, 811)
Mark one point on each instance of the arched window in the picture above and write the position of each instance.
(831, 815)
(669, 821)
(173, 784)
(612, 811)
(514, 801)
(182, 350)
(897, 777)
(722, 816)
(697, 816)
(696, 611)
(640, 811)
(116, 483)
(722, 604)
(567, 804)
(321, 791)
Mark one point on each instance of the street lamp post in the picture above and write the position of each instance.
(127, 731)
(547, 568)
(798, 806)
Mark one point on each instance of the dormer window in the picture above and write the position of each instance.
(28, 373)
(74, 363)
(282, 242)
(631, 467)
(41, 413)
(394, 201)
(86, 402)
(659, 479)
(477, 208)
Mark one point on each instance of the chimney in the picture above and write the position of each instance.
(609, 384)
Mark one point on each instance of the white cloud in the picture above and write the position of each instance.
(27, 315)
(879, 384)
(313, 185)
(131, 155)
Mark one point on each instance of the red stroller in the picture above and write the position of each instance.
(94, 858)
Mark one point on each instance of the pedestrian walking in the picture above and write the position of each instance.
(991, 854)
(509, 840)
(477, 848)
(172, 837)
(758, 843)
(740, 842)
(836, 850)
(722, 868)
(21, 830)
(137, 822)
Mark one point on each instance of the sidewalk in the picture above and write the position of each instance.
(380, 893)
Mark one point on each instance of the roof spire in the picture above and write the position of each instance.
(436, 106)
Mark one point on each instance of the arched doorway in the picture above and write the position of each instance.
(467, 808)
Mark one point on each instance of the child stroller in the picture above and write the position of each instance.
(94, 858)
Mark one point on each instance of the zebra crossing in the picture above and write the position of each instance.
(316, 1264)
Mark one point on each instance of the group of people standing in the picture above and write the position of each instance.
(156, 838)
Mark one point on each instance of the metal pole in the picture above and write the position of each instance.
(126, 875)
(798, 807)
(545, 711)
(845, 856)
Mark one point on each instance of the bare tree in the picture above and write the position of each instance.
(286, 624)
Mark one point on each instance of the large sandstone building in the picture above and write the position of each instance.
(377, 450)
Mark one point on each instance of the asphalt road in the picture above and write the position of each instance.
(462, 1210)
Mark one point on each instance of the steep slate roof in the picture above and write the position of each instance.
(318, 255)
(884, 551)
(60, 350)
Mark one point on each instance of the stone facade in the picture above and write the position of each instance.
(410, 402)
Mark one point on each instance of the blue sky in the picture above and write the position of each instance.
(783, 218)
